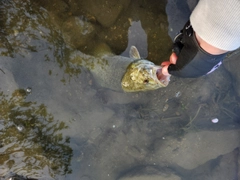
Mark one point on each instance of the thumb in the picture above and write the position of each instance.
(173, 58)
(165, 63)
(165, 70)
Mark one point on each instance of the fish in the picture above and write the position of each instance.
(119, 73)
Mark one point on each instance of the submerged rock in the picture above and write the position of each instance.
(231, 63)
(106, 12)
(222, 168)
(77, 32)
(7, 81)
(196, 148)
(57, 6)
(150, 173)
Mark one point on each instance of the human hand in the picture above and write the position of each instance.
(163, 78)
(192, 57)
(165, 64)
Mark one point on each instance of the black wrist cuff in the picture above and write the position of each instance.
(192, 60)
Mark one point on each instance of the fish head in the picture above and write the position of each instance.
(143, 75)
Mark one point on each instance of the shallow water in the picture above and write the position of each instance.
(57, 123)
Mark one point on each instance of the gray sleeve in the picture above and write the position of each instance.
(218, 23)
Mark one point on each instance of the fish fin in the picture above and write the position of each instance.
(133, 53)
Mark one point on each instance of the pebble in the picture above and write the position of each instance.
(215, 120)
(178, 94)
(165, 107)
(29, 90)
(20, 128)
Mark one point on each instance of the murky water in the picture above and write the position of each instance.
(57, 123)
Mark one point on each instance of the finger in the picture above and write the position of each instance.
(165, 70)
(165, 63)
(173, 58)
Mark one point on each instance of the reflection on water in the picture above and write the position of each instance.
(31, 139)
(69, 128)
(28, 28)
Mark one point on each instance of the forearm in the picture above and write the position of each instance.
(208, 47)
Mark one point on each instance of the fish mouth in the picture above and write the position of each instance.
(163, 79)
(143, 75)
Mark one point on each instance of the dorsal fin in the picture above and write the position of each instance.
(133, 53)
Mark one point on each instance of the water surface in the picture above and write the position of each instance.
(57, 123)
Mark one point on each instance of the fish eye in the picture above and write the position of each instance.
(146, 81)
